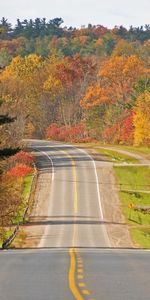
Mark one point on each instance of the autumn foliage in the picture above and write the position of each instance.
(76, 133)
(142, 119)
(20, 170)
(120, 132)
(23, 157)
(92, 76)
(116, 79)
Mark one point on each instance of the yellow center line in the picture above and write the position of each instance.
(75, 194)
(72, 283)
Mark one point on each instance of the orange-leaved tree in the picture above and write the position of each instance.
(116, 79)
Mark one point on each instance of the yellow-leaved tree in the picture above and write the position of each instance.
(142, 119)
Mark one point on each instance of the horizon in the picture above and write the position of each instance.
(80, 13)
(63, 25)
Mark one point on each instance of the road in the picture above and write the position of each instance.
(74, 217)
(75, 260)
(100, 275)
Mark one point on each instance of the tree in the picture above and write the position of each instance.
(108, 43)
(124, 48)
(5, 28)
(95, 96)
(142, 119)
(117, 78)
(56, 21)
(119, 75)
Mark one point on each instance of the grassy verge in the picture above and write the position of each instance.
(141, 236)
(134, 183)
(27, 182)
(135, 149)
(6, 234)
(139, 150)
(115, 156)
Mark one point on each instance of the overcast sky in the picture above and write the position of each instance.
(80, 12)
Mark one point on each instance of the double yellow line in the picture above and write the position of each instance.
(72, 271)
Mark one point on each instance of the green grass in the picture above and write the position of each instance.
(138, 150)
(6, 234)
(27, 186)
(116, 156)
(25, 195)
(136, 199)
(132, 181)
(134, 149)
(141, 236)
(133, 177)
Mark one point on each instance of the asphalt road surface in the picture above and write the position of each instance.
(74, 217)
(75, 260)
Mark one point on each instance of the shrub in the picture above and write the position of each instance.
(53, 131)
(23, 157)
(20, 170)
(76, 133)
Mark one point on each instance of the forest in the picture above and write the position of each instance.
(69, 84)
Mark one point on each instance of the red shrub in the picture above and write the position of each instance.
(24, 157)
(20, 170)
(75, 133)
(64, 134)
(21, 157)
(53, 131)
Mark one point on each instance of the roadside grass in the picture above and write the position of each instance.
(141, 236)
(133, 177)
(134, 183)
(115, 156)
(27, 186)
(6, 234)
(135, 149)
(27, 182)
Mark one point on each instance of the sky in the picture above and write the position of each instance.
(80, 12)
